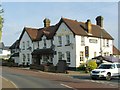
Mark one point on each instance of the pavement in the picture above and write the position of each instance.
(7, 83)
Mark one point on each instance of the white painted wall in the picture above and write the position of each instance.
(93, 47)
(63, 30)
(25, 38)
(74, 48)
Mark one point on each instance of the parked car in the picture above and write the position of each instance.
(106, 70)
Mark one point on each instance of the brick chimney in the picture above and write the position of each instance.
(88, 26)
(46, 22)
(99, 21)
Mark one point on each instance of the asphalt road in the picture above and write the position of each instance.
(24, 81)
(37, 79)
(114, 81)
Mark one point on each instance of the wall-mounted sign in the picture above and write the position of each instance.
(86, 51)
(93, 40)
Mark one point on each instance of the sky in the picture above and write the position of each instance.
(18, 15)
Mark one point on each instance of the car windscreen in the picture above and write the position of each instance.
(106, 66)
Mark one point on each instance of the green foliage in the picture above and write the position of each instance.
(81, 67)
(91, 65)
(1, 21)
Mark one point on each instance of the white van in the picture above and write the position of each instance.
(106, 70)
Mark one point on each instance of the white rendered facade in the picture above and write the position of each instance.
(26, 47)
(73, 52)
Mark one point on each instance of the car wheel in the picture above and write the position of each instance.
(108, 77)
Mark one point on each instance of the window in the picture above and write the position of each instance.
(28, 58)
(107, 43)
(38, 44)
(24, 57)
(67, 39)
(82, 41)
(23, 45)
(68, 56)
(28, 44)
(60, 40)
(44, 42)
(59, 55)
(81, 56)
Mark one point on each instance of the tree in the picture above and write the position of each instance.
(91, 65)
(1, 22)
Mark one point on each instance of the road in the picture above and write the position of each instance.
(36, 79)
(26, 81)
(114, 81)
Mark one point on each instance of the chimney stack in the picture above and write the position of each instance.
(46, 22)
(99, 21)
(88, 26)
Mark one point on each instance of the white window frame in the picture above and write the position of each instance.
(28, 58)
(107, 43)
(67, 39)
(81, 56)
(28, 44)
(24, 57)
(44, 41)
(23, 45)
(68, 56)
(60, 40)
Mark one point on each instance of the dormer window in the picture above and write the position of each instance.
(44, 40)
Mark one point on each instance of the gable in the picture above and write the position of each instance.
(32, 33)
(63, 30)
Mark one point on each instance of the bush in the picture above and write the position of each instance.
(81, 67)
(91, 65)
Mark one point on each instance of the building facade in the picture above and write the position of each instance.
(70, 40)
(15, 51)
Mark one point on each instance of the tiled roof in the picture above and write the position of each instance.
(36, 34)
(116, 51)
(78, 28)
(32, 32)
(15, 45)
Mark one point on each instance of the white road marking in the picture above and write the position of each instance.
(10, 82)
(66, 85)
(14, 84)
